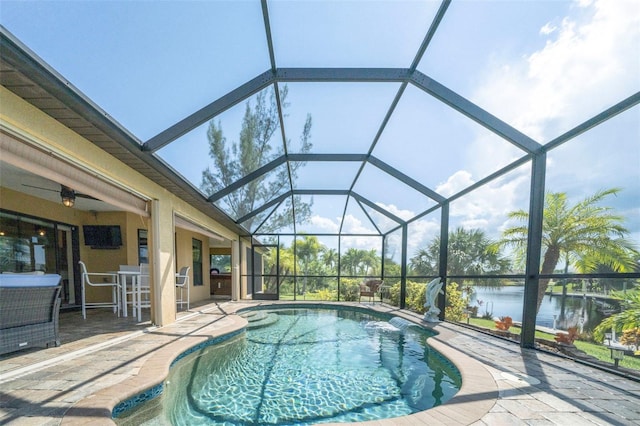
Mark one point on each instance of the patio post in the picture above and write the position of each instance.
(162, 264)
(403, 268)
(444, 251)
(534, 246)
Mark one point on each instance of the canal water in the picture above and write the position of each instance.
(507, 301)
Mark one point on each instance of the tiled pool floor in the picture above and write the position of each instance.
(105, 357)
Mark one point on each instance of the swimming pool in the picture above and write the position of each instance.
(309, 366)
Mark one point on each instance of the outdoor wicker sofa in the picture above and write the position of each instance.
(29, 309)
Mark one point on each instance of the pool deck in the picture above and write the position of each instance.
(105, 359)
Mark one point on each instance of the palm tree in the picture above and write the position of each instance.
(330, 259)
(469, 253)
(282, 269)
(370, 264)
(628, 319)
(307, 250)
(427, 259)
(587, 234)
(351, 260)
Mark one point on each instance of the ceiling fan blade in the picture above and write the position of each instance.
(77, 194)
(40, 187)
(89, 197)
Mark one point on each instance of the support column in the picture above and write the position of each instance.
(235, 268)
(534, 247)
(444, 257)
(403, 268)
(163, 271)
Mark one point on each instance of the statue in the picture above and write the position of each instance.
(431, 295)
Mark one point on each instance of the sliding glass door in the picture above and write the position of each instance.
(31, 244)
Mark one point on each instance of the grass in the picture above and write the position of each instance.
(597, 351)
(604, 354)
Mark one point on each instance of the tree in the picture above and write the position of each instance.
(282, 269)
(586, 234)
(469, 253)
(370, 264)
(360, 262)
(330, 260)
(628, 319)
(391, 268)
(307, 250)
(350, 261)
(253, 150)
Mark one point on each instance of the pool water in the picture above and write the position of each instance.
(309, 366)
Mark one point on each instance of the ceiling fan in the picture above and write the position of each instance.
(67, 194)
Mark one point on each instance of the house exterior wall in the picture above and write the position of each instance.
(185, 258)
(21, 118)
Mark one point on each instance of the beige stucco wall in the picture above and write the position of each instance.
(185, 258)
(21, 118)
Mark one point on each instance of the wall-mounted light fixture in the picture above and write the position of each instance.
(68, 196)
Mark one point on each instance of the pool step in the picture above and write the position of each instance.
(259, 319)
(249, 314)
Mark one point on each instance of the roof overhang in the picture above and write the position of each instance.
(29, 77)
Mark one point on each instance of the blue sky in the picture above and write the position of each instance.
(541, 66)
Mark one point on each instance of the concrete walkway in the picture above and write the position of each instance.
(507, 385)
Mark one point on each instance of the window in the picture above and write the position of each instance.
(197, 261)
(143, 247)
(221, 262)
(29, 243)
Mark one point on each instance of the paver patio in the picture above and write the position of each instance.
(512, 386)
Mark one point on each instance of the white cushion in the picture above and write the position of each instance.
(20, 280)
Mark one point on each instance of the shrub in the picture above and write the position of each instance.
(415, 296)
(325, 294)
(456, 303)
(349, 290)
(487, 315)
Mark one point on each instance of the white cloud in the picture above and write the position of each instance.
(420, 232)
(394, 210)
(325, 224)
(589, 63)
(584, 3)
(547, 29)
(353, 225)
(456, 182)
(487, 207)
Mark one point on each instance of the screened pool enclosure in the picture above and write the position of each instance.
(402, 141)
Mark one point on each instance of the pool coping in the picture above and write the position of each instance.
(478, 394)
